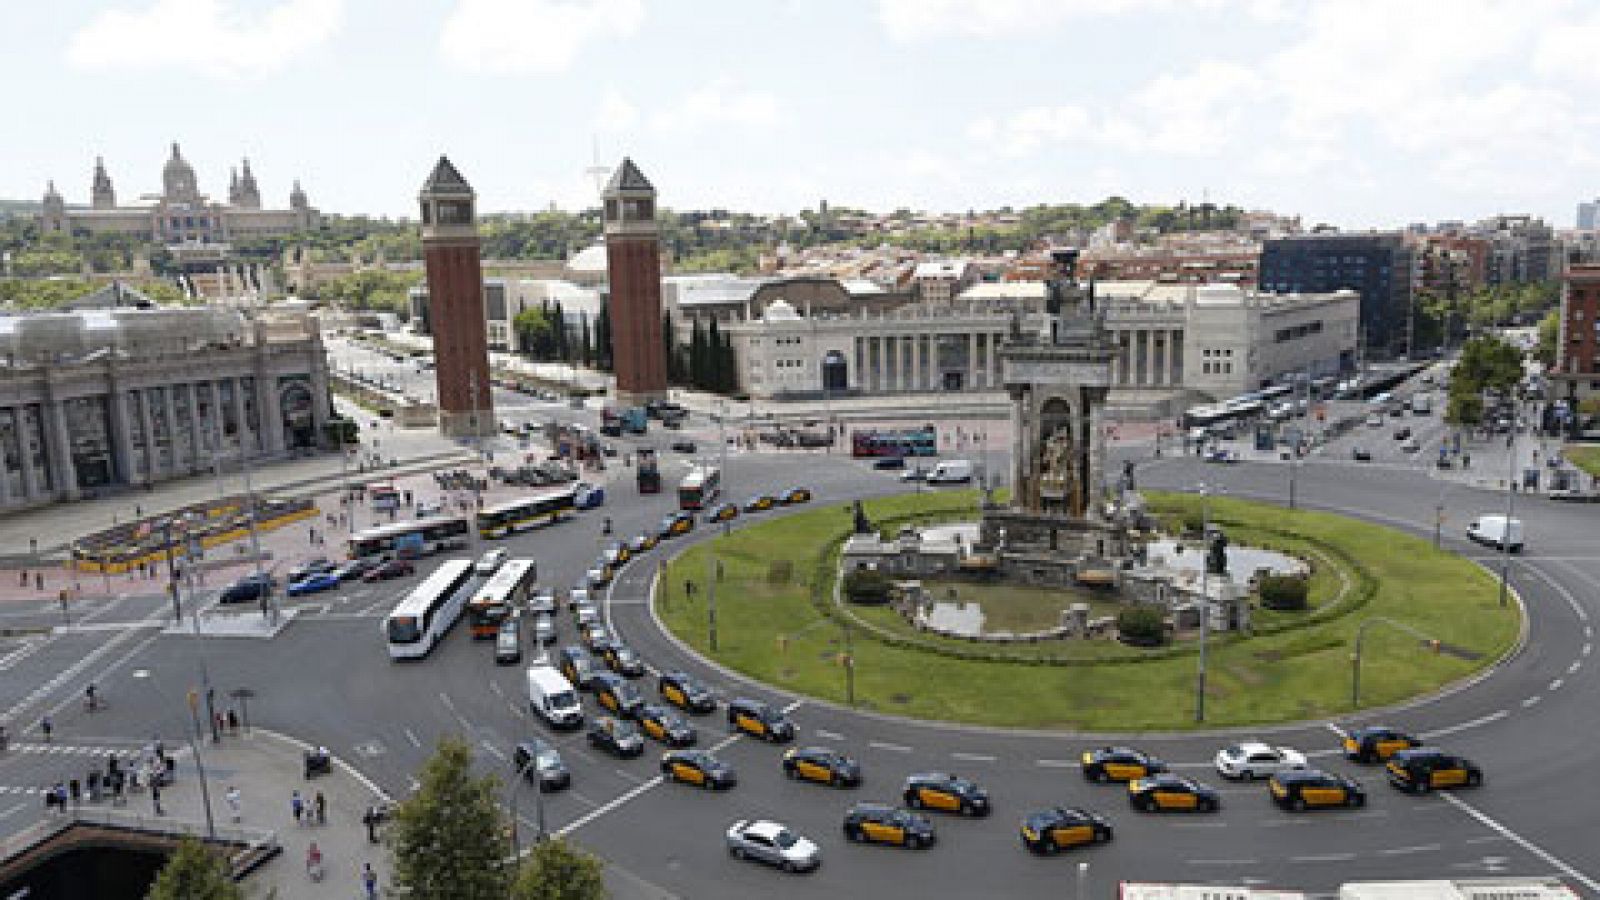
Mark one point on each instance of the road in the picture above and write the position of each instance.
(327, 679)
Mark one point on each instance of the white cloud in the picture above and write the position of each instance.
(615, 113)
(721, 102)
(213, 37)
(1026, 130)
(541, 36)
(908, 20)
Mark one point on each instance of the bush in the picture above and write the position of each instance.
(867, 586)
(1284, 592)
(780, 571)
(1143, 625)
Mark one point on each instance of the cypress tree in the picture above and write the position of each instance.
(714, 369)
(585, 345)
(602, 338)
(697, 356)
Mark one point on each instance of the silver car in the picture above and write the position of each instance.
(774, 844)
(544, 630)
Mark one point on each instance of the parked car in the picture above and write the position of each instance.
(888, 463)
(508, 643)
(773, 844)
(313, 583)
(394, 568)
(355, 568)
(247, 588)
(310, 567)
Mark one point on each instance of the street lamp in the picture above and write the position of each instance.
(1205, 600)
(194, 747)
(538, 794)
(1355, 656)
(1505, 532)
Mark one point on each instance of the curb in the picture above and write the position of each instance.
(352, 771)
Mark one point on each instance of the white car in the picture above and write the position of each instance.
(773, 844)
(1253, 759)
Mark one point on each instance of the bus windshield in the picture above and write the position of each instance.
(404, 630)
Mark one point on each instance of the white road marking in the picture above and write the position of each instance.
(1576, 665)
(1587, 649)
(1588, 631)
(1324, 857)
(830, 735)
(1200, 825)
(1402, 851)
(411, 736)
(495, 686)
(974, 757)
(1222, 862)
(14, 810)
(880, 745)
(1055, 763)
(1531, 701)
(1481, 720)
(494, 751)
(1520, 841)
(1337, 730)
(1556, 685)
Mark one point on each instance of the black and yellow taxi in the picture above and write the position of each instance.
(760, 720)
(822, 765)
(615, 693)
(686, 692)
(662, 723)
(1300, 789)
(576, 664)
(1423, 769)
(760, 503)
(621, 658)
(698, 768)
(723, 512)
(1376, 743)
(1119, 764)
(643, 543)
(1165, 791)
(946, 793)
(1061, 827)
(595, 637)
(795, 495)
(617, 553)
(676, 524)
(880, 823)
(616, 737)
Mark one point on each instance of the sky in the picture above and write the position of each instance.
(1359, 113)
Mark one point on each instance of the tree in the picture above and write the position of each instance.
(1549, 334)
(867, 586)
(534, 332)
(697, 355)
(450, 839)
(585, 342)
(602, 338)
(563, 340)
(1142, 625)
(1285, 592)
(715, 376)
(193, 873)
(1463, 408)
(1487, 364)
(556, 870)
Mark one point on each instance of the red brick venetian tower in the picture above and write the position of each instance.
(450, 253)
(633, 263)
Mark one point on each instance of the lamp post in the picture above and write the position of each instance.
(199, 762)
(1505, 532)
(538, 799)
(1205, 600)
(1355, 656)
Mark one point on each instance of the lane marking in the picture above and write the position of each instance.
(897, 748)
(1337, 730)
(1473, 723)
(494, 751)
(14, 810)
(974, 757)
(1402, 851)
(1587, 649)
(1324, 857)
(1223, 862)
(1556, 685)
(1055, 763)
(1520, 841)
(1529, 702)
(830, 735)
(411, 736)
(1576, 665)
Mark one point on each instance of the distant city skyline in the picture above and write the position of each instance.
(1352, 112)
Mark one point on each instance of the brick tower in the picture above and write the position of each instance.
(633, 262)
(455, 299)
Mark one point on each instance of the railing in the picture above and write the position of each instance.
(248, 840)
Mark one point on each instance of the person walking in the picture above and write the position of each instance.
(75, 791)
(155, 797)
(297, 806)
(369, 881)
(322, 809)
(47, 728)
(233, 801)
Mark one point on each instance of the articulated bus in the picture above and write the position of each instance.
(922, 441)
(494, 600)
(423, 537)
(423, 617)
(538, 508)
(699, 487)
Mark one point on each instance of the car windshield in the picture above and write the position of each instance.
(1234, 751)
(563, 699)
(961, 784)
(785, 839)
(549, 760)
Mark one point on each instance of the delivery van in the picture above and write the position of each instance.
(1498, 532)
(553, 697)
(951, 471)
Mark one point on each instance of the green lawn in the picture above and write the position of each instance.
(772, 626)
(1586, 458)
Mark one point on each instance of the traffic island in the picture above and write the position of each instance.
(777, 621)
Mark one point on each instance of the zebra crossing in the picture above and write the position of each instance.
(71, 749)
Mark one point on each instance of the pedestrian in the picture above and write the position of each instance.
(296, 806)
(369, 880)
(233, 721)
(322, 809)
(155, 798)
(233, 801)
(75, 790)
(92, 784)
(47, 728)
(370, 819)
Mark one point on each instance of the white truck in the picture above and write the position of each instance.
(553, 698)
(1459, 889)
(1498, 532)
(951, 471)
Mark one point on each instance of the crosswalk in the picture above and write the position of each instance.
(55, 749)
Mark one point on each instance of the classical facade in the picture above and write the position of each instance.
(633, 262)
(180, 214)
(110, 397)
(451, 255)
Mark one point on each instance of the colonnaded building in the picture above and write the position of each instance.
(180, 213)
(118, 396)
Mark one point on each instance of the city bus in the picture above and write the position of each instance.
(494, 600)
(409, 540)
(423, 617)
(538, 508)
(922, 441)
(699, 487)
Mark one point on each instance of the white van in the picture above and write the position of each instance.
(553, 698)
(1498, 532)
(951, 471)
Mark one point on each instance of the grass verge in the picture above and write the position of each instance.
(773, 624)
(1586, 458)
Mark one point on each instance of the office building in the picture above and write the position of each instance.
(1377, 266)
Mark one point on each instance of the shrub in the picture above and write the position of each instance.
(780, 571)
(1142, 625)
(867, 586)
(1284, 592)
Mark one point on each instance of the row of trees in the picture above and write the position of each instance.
(450, 841)
(1487, 365)
(706, 363)
(370, 289)
(545, 335)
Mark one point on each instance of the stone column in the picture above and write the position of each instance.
(249, 442)
(892, 344)
(1021, 448)
(1175, 357)
(915, 382)
(1124, 358)
(1141, 354)
(146, 422)
(121, 436)
(972, 361)
(58, 448)
(995, 340)
(170, 394)
(31, 488)
(270, 411)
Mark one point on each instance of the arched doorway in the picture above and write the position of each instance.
(299, 425)
(835, 372)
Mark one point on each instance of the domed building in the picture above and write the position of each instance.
(180, 214)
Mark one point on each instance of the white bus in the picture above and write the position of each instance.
(426, 613)
(699, 487)
(494, 600)
(422, 537)
(538, 508)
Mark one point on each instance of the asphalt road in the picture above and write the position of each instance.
(328, 680)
